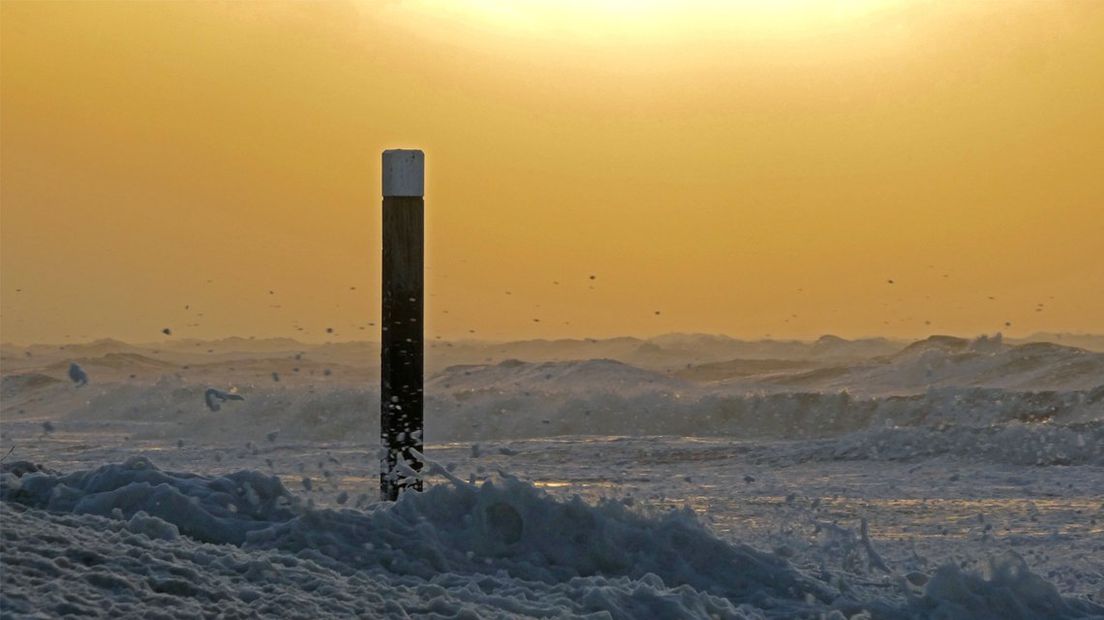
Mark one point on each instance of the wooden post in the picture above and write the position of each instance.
(402, 319)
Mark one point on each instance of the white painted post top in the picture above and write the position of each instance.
(403, 172)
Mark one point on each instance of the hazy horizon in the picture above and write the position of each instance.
(1039, 336)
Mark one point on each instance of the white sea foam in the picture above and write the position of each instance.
(744, 439)
(1022, 427)
(501, 548)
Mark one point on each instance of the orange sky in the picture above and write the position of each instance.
(729, 165)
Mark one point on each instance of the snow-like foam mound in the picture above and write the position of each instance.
(218, 510)
(1006, 589)
(506, 526)
(503, 548)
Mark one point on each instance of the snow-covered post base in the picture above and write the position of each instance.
(402, 319)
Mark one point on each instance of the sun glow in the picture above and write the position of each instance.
(650, 19)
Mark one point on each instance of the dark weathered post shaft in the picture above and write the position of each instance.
(401, 395)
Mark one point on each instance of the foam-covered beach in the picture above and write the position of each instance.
(591, 487)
